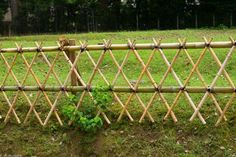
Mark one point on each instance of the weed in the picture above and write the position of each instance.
(86, 118)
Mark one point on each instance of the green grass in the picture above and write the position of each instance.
(124, 138)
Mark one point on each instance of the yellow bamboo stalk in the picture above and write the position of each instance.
(150, 46)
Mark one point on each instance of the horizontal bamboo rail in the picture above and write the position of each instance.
(78, 84)
(188, 45)
(119, 89)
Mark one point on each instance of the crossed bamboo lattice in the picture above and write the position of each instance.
(106, 49)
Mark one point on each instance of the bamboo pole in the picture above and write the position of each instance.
(121, 89)
(189, 45)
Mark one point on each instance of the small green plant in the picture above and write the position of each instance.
(85, 118)
(102, 98)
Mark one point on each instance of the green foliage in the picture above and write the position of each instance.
(90, 124)
(102, 97)
(86, 118)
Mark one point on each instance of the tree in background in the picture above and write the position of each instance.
(3, 8)
(41, 16)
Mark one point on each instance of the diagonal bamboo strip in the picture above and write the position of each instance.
(100, 59)
(155, 85)
(132, 47)
(30, 103)
(83, 94)
(45, 80)
(125, 106)
(106, 44)
(38, 82)
(23, 81)
(144, 107)
(124, 76)
(98, 69)
(65, 82)
(157, 46)
(214, 80)
(202, 80)
(48, 63)
(10, 68)
(4, 80)
(186, 94)
(182, 46)
(73, 65)
(229, 103)
(32, 72)
(144, 69)
(214, 100)
(140, 77)
(120, 70)
(10, 104)
(147, 107)
(67, 78)
(219, 64)
(157, 90)
(36, 79)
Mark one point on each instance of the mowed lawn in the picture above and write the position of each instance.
(124, 138)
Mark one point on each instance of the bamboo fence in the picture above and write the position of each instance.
(72, 54)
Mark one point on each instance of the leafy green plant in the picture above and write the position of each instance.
(85, 118)
(102, 97)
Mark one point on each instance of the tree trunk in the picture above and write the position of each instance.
(137, 22)
(177, 22)
(158, 23)
(213, 20)
(196, 20)
(93, 18)
(231, 20)
(88, 22)
(14, 4)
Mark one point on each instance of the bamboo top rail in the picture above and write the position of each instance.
(188, 45)
(164, 89)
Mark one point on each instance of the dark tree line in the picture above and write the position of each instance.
(3, 8)
(45, 16)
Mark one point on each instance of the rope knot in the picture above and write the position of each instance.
(107, 45)
(131, 44)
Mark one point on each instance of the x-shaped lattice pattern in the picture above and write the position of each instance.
(157, 49)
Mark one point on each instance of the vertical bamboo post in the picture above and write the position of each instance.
(72, 55)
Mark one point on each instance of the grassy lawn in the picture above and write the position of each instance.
(124, 138)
